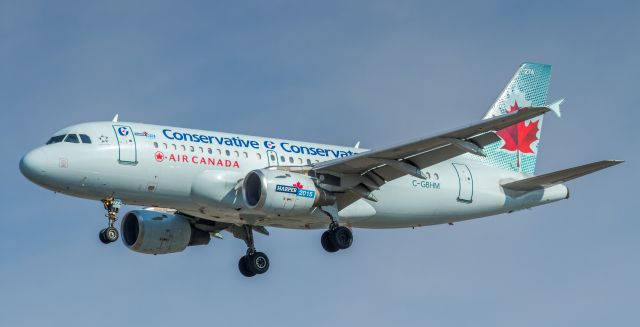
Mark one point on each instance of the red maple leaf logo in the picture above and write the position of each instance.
(298, 185)
(159, 156)
(519, 137)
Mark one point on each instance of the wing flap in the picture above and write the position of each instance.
(560, 176)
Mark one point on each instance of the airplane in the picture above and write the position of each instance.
(194, 184)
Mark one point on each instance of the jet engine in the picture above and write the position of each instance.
(283, 192)
(155, 232)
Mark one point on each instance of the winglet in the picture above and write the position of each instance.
(357, 146)
(555, 107)
(115, 118)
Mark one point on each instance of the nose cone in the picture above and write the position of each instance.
(33, 164)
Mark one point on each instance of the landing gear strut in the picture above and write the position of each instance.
(253, 263)
(337, 237)
(110, 234)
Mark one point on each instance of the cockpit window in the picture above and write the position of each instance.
(56, 139)
(72, 138)
(85, 138)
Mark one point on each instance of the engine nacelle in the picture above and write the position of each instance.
(154, 232)
(282, 192)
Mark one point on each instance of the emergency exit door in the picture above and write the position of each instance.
(465, 179)
(127, 152)
(272, 158)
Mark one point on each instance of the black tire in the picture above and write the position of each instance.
(327, 243)
(102, 237)
(258, 263)
(244, 267)
(111, 234)
(342, 237)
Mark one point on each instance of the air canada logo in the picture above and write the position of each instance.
(123, 131)
(195, 160)
(269, 145)
(159, 156)
(520, 137)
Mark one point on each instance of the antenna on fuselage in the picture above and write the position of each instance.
(115, 118)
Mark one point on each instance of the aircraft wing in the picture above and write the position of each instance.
(560, 176)
(409, 158)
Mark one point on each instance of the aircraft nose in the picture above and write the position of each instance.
(33, 164)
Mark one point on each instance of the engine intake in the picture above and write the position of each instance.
(283, 192)
(154, 232)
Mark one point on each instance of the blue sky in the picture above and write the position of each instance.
(338, 72)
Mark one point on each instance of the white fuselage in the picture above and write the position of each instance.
(162, 166)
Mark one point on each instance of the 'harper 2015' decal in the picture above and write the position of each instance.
(298, 191)
(286, 189)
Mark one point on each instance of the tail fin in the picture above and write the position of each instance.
(518, 148)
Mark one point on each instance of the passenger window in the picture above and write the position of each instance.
(308, 161)
(300, 160)
(192, 148)
(219, 152)
(209, 150)
(174, 147)
(282, 159)
(183, 148)
(72, 138)
(259, 155)
(228, 153)
(164, 145)
(291, 159)
(273, 158)
(427, 175)
(85, 138)
(435, 175)
(56, 139)
(155, 145)
(236, 153)
(201, 149)
(246, 155)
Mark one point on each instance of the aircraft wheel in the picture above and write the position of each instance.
(102, 237)
(258, 263)
(243, 265)
(111, 234)
(341, 237)
(327, 243)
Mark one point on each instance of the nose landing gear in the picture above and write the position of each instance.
(110, 234)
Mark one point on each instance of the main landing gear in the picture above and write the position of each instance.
(110, 234)
(253, 263)
(337, 237)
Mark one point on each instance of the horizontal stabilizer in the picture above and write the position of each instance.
(558, 177)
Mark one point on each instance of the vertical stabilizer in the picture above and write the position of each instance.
(518, 148)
